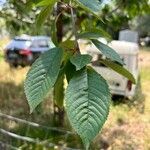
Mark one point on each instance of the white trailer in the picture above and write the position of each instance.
(118, 84)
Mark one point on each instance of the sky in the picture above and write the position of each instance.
(106, 1)
(2, 2)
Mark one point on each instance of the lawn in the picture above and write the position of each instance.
(127, 127)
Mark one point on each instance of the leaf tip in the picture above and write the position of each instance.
(31, 109)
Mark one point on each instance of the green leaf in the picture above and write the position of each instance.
(46, 2)
(80, 61)
(59, 91)
(42, 76)
(93, 34)
(102, 32)
(87, 103)
(43, 15)
(88, 35)
(108, 51)
(69, 70)
(92, 5)
(120, 69)
(29, 5)
(33, 1)
(68, 45)
(53, 32)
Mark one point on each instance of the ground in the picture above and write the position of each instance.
(128, 124)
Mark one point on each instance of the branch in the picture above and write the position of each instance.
(114, 10)
(33, 124)
(74, 29)
(32, 140)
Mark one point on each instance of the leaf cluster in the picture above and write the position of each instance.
(87, 96)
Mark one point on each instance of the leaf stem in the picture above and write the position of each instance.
(74, 28)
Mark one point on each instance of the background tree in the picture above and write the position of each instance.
(116, 15)
(142, 25)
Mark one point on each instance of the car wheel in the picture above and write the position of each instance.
(13, 65)
(23, 65)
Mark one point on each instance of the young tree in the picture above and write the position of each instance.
(87, 96)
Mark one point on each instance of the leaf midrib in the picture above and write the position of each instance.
(46, 74)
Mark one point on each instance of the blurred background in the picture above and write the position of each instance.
(128, 124)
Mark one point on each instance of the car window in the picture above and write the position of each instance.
(39, 43)
(19, 43)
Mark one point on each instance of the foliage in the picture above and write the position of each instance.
(17, 18)
(115, 15)
(80, 61)
(87, 96)
(142, 25)
(87, 105)
(119, 69)
(42, 76)
(120, 13)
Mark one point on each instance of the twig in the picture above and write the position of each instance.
(34, 124)
(19, 137)
(74, 28)
(5, 145)
(31, 140)
(114, 10)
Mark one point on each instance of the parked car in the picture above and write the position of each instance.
(118, 84)
(24, 50)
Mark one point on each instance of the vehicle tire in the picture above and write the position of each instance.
(13, 65)
(23, 65)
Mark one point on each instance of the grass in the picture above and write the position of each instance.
(145, 48)
(127, 127)
(13, 102)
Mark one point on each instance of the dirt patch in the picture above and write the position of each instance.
(144, 58)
